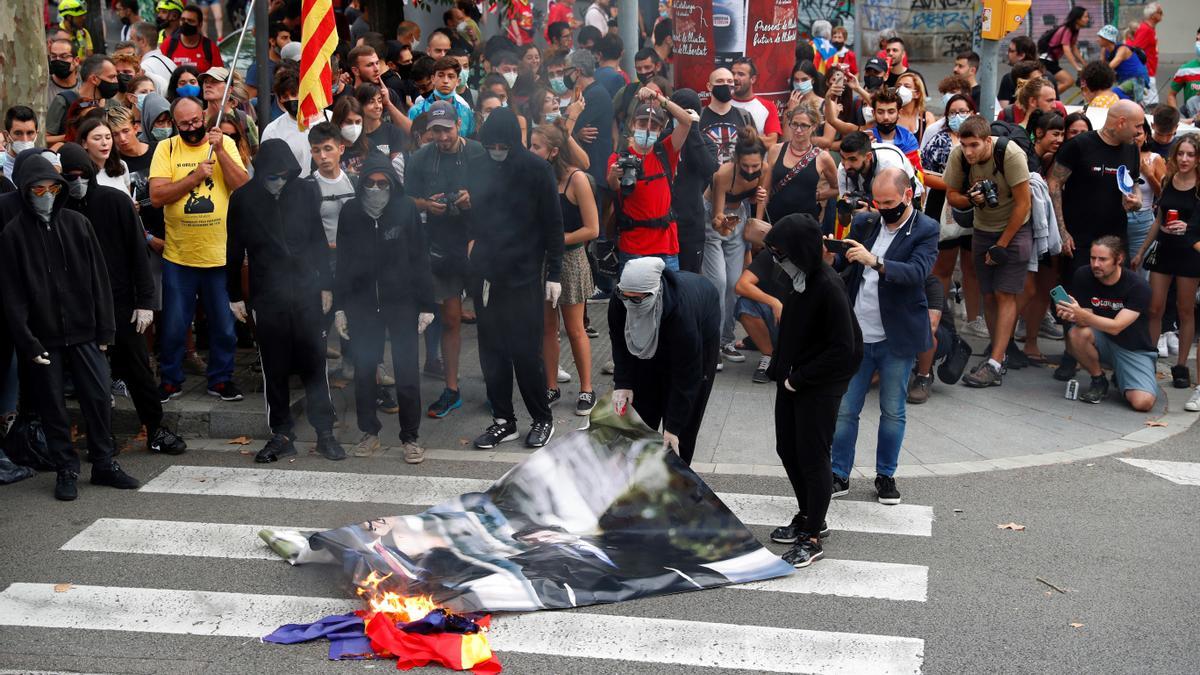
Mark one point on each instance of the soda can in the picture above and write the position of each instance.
(1072, 393)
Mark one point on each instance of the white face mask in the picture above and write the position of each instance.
(375, 199)
(498, 155)
(906, 95)
(43, 206)
(274, 184)
(351, 132)
(18, 147)
(797, 275)
(78, 187)
(510, 78)
(462, 26)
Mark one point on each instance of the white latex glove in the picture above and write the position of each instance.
(142, 318)
(553, 291)
(671, 441)
(340, 325)
(326, 301)
(239, 310)
(423, 321)
(621, 399)
(788, 385)
(43, 360)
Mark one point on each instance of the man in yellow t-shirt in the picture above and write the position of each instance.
(193, 191)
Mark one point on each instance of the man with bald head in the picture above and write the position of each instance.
(721, 120)
(1087, 200)
(890, 254)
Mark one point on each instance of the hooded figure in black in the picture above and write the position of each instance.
(127, 258)
(697, 164)
(59, 309)
(384, 290)
(275, 223)
(517, 245)
(665, 328)
(819, 350)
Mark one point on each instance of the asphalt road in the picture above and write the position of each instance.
(1118, 539)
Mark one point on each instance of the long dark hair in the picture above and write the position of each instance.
(1073, 18)
(810, 70)
(112, 165)
(173, 84)
(344, 106)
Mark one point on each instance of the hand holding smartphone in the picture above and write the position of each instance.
(1059, 294)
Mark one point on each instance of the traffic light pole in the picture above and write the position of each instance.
(989, 53)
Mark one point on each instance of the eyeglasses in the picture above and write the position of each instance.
(195, 123)
(372, 183)
(41, 190)
(800, 127)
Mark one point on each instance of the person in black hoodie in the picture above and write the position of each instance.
(697, 164)
(384, 289)
(275, 221)
(665, 328)
(59, 309)
(127, 260)
(511, 251)
(819, 350)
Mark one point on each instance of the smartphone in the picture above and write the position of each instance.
(1059, 294)
(836, 245)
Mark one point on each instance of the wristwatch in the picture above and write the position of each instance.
(878, 264)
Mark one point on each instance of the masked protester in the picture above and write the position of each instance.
(275, 223)
(519, 245)
(665, 328)
(59, 309)
(820, 348)
(384, 289)
(123, 242)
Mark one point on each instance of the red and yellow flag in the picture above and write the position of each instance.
(319, 36)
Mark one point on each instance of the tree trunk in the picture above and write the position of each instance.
(95, 26)
(23, 64)
(384, 16)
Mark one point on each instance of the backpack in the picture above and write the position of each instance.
(1043, 43)
(1005, 133)
(25, 444)
(206, 45)
(1138, 52)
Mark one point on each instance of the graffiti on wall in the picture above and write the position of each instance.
(836, 12)
(931, 29)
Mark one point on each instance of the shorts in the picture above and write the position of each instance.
(758, 310)
(963, 242)
(449, 286)
(1134, 370)
(1006, 278)
(1051, 66)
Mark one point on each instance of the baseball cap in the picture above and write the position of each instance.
(442, 114)
(1109, 33)
(877, 64)
(291, 51)
(651, 111)
(217, 73)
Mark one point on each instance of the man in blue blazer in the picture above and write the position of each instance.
(890, 254)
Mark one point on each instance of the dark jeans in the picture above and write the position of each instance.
(291, 342)
(691, 256)
(804, 425)
(369, 328)
(130, 362)
(93, 387)
(181, 286)
(510, 342)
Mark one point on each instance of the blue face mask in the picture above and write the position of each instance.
(552, 117)
(192, 90)
(804, 86)
(644, 138)
(442, 97)
(955, 121)
(141, 98)
(558, 86)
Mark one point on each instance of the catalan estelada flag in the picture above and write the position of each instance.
(319, 36)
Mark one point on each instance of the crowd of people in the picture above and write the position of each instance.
(510, 181)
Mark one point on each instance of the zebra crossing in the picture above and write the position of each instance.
(1180, 473)
(590, 633)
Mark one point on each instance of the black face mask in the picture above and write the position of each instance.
(569, 80)
(161, 24)
(838, 45)
(60, 69)
(723, 93)
(193, 136)
(645, 77)
(885, 128)
(746, 175)
(893, 214)
(292, 107)
(188, 29)
(123, 80)
(404, 71)
(108, 89)
(125, 21)
(872, 82)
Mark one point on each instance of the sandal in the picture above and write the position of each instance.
(1037, 359)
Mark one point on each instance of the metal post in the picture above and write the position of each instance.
(237, 52)
(627, 26)
(262, 36)
(989, 52)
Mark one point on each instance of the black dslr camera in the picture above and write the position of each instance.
(448, 200)
(851, 202)
(631, 169)
(988, 190)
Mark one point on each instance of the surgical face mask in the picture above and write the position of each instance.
(644, 138)
(161, 133)
(192, 90)
(18, 147)
(43, 206)
(558, 85)
(462, 26)
(510, 78)
(955, 121)
(803, 86)
(1198, 49)
(498, 155)
(351, 132)
(375, 199)
(797, 275)
(78, 187)
(946, 97)
(722, 92)
(141, 98)
(906, 95)
(553, 116)
(274, 184)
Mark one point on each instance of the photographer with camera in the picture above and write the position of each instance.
(990, 176)
(862, 160)
(439, 179)
(641, 175)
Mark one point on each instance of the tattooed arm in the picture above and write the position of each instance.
(1058, 178)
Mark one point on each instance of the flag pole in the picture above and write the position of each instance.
(237, 52)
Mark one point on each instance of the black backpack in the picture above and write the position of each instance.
(1138, 52)
(25, 444)
(1043, 43)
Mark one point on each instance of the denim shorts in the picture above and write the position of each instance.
(1134, 370)
(761, 310)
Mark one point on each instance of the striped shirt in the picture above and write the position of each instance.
(1186, 82)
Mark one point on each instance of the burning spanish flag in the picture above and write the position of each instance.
(316, 77)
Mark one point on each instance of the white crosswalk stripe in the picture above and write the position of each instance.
(1180, 473)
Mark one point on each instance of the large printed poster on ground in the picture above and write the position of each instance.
(709, 33)
(598, 516)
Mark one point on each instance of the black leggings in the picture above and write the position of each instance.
(804, 426)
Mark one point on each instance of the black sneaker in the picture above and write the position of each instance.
(1015, 358)
(166, 442)
(591, 332)
(540, 434)
(788, 534)
(760, 373)
(952, 368)
(553, 396)
(1180, 377)
(841, 486)
(278, 447)
(114, 476)
(729, 353)
(167, 391)
(501, 431)
(329, 448)
(803, 554)
(1067, 368)
(585, 403)
(449, 400)
(434, 368)
(66, 488)
(1096, 391)
(385, 401)
(226, 391)
(885, 488)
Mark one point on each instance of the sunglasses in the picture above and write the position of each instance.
(41, 190)
(635, 299)
(381, 183)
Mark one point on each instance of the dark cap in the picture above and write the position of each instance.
(651, 111)
(442, 114)
(876, 63)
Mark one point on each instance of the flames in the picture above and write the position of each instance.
(399, 608)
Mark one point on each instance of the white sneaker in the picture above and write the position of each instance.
(1162, 346)
(608, 368)
(1193, 403)
(563, 376)
(977, 328)
(1173, 343)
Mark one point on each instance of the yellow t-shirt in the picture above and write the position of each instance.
(196, 223)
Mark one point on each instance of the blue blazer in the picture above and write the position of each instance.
(908, 261)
